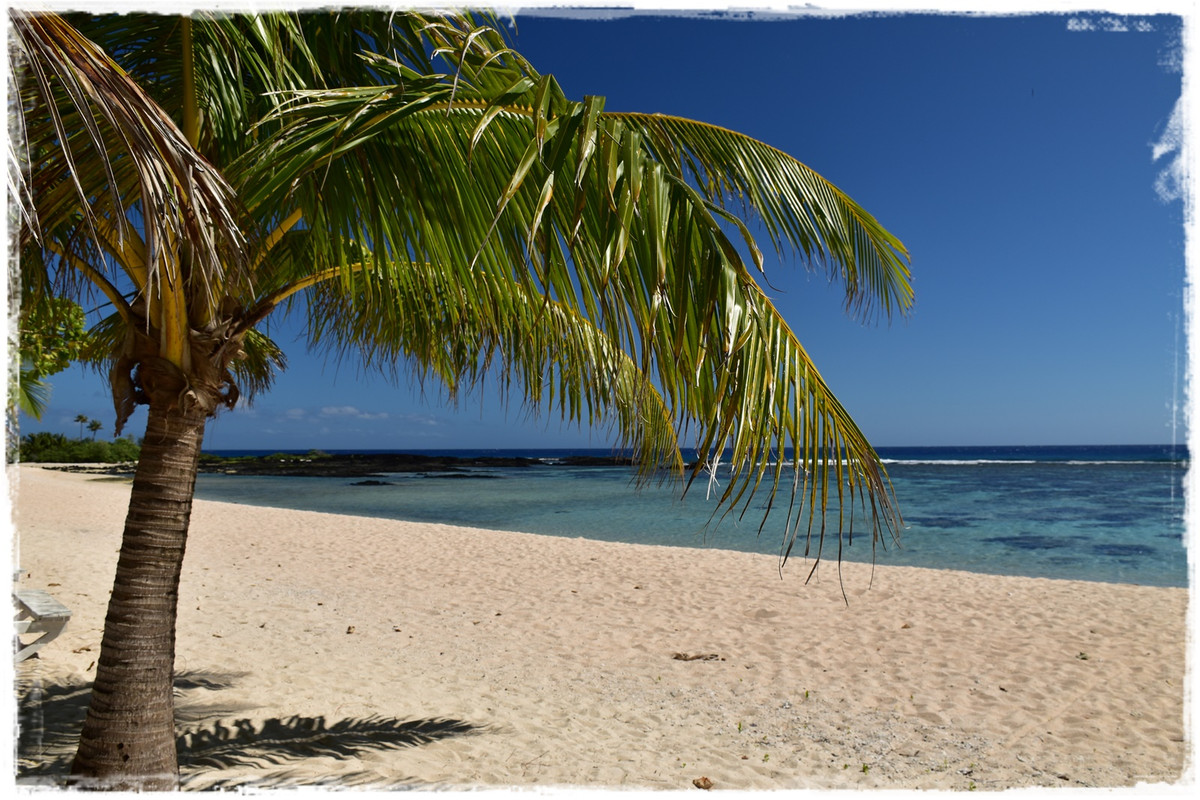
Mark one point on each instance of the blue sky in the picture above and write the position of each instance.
(1015, 156)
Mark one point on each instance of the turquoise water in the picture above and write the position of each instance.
(1098, 514)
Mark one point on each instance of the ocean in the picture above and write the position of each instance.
(1095, 513)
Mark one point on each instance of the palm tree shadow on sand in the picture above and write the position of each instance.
(50, 716)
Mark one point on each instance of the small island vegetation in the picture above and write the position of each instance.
(46, 447)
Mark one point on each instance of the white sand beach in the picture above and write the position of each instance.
(559, 657)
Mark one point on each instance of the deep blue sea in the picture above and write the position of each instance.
(1094, 513)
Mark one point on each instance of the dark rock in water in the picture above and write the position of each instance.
(361, 465)
(375, 465)
(948, 521)
(350, 465)
(470, 476)
(1123, 550)
(372, 483)
(1028, 542)
(123, 469)
(596, 461)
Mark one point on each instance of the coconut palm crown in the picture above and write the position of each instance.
(434, 207)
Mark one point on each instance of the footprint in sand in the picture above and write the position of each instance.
(762, 613)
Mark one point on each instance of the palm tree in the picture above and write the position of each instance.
(425, 198)
(82, 420)
(95, 426)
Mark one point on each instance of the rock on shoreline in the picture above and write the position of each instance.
(350, 465)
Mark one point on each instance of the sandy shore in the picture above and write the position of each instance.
(521, 660)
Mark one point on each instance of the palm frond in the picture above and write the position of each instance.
(800, 210)
(622, 220)
(33, 394)
(102, 148)
(276, 741)
(545, 353)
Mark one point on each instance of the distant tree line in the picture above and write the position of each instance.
(45, 447)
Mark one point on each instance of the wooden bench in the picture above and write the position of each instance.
(38, 612)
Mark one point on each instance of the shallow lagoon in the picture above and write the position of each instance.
(1099, 514)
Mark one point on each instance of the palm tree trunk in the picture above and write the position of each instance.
(128, 739)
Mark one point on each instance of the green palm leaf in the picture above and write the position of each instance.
(101, 147)
(277, 741)
(32, 395)
(542, 350)
(797, 206)
(591, 216)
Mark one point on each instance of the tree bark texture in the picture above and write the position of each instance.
(128, 739)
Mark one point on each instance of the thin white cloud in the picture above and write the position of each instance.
(1172, 179)
(1108, 24)
(420, 419)
(351, 411)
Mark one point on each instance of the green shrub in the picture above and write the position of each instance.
(124, 450)
(44, 447)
